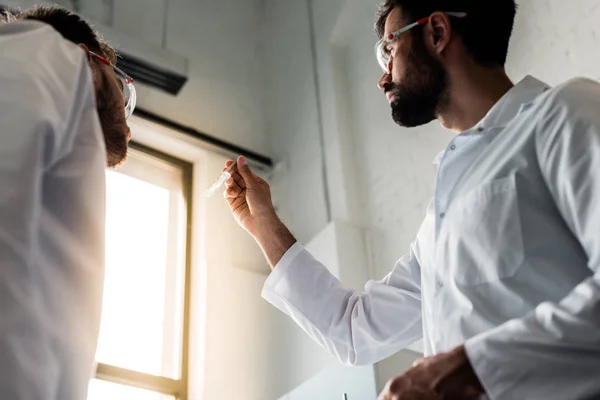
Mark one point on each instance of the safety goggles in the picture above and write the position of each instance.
(126, 83)
(384, 56)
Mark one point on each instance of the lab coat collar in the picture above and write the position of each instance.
(507, 108)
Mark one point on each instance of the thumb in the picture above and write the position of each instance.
(246, 173)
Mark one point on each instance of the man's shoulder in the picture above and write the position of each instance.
(575, 94)
(37, 44)
(563, 111)
(40, 69)
(576, 83)
(15, 34)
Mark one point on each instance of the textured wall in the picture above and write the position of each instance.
(291, 117)
(222, 40)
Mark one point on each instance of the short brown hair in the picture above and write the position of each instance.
(72, 27)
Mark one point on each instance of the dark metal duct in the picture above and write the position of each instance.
(141, 71)
(151, 75)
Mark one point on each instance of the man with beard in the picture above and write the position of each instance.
(63, 117)
(503, 278)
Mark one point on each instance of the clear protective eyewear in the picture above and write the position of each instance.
(384, 56)
(126, 83)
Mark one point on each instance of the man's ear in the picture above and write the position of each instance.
(440, 31)
(88, 54)
(87, 51)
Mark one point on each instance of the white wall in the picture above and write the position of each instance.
(556, 40)
(291, 117)
(224, 96)
(380, 175)
(239, 344)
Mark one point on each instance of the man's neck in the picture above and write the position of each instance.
(473, 93)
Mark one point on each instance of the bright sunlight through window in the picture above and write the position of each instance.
(142, 340)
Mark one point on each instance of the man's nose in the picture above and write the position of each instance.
(385, 79)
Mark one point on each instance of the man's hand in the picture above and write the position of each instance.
(249, 198)
(441, 377)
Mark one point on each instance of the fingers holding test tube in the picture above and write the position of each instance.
(248, 195)
(234, 185)
(224, 177)
(236, 178)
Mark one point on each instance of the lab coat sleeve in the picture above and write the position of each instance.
(356, 328)
(554, 353)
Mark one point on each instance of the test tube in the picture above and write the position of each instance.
(222, 179)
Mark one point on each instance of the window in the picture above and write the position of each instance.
(142, 349)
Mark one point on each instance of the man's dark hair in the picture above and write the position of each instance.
(71, 26)
(485, 31)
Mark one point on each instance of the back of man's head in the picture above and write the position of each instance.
(109, 89)
(71, 26)
(485, 32)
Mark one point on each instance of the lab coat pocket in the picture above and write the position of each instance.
(481, 240)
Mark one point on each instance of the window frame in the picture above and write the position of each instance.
(178, 388)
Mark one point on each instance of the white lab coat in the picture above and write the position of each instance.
(52, 200)
(507, 260)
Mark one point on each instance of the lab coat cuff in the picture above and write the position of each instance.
(281, 269)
